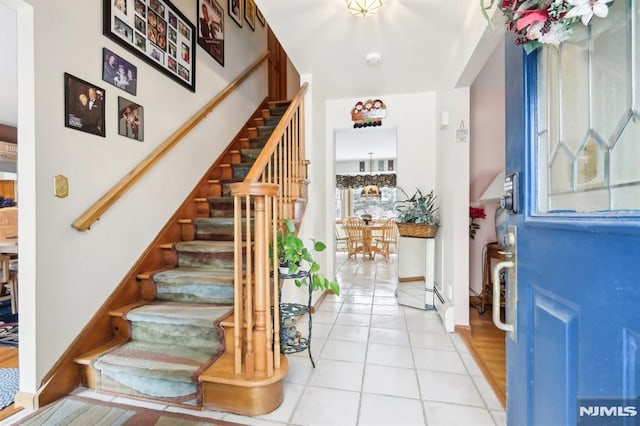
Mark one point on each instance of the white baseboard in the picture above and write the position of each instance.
(445, 308)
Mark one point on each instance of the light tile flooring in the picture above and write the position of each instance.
(377, 363)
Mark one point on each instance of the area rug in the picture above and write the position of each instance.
(76, 410)
(9, 334)
(9, 378)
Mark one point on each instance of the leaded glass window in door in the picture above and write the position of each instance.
(589, 116)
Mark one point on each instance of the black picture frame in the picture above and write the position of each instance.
(165, 26)
(250, 14)
(130, 119)
(211, 29)
(260, 16)
(83, 105)
(119, 72)
(234, 8)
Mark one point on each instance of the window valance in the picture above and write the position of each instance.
(360, 181)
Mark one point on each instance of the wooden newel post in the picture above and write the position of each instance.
(257, 303)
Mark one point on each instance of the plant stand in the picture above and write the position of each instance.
(293, 310)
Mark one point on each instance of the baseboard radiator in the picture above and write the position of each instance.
(444, 307)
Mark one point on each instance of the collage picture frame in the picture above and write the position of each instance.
(157, 32)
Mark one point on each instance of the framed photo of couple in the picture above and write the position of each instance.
(157, 32)
(83, 105)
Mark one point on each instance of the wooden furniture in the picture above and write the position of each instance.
(341, 238)
(492, 251)
(361, 237)
(387, 239)
(354, 229)
(9, 281)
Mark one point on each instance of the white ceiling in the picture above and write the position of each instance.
(322, 38)
(356, 144)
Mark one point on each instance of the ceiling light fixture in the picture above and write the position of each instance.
(372, 189)
(364, 7)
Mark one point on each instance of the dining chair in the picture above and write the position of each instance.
(9, 284)
(341, 238)
(354, 227)
(388, 239)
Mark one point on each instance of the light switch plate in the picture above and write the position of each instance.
(60, 186)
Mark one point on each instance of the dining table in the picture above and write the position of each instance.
(369, 230)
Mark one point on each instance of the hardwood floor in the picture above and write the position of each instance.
(487, 345)
(8, 359)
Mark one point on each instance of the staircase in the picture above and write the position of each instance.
(176, 344)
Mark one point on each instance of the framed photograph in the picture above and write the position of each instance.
(130, 119)
(119, 72)
(211, 29)
(260, 16)
(83, 105)
(250, 13)
(147, 28)
(234, 7)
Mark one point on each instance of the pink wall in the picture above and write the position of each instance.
(486, 160)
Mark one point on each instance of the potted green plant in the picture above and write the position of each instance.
(417, 215)
(294, 256)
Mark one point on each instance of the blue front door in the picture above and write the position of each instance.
(573, 137)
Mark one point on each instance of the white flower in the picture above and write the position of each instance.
(585, 9)
(557, 34)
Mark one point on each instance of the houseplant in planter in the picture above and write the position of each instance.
(294, 256)
(417, 215)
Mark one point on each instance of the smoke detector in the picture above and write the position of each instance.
(373, 58)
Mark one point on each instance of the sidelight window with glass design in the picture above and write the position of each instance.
(589, 116)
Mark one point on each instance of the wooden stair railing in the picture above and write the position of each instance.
(94, 212)
(274, 183)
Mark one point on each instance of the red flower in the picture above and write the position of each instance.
(477, 213)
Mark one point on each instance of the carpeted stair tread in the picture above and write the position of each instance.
(278, 110)
(250, 155)
(215, 228)
(194, 285)
(191, 314)
(265, 130)
(223, 206)
(258, 142)
(167, 372)
(204, 246)
(272, 121)
(241, 170)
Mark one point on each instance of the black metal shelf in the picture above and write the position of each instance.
(290, 310)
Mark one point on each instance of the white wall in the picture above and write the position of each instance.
(452, 245)
(61, 267)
